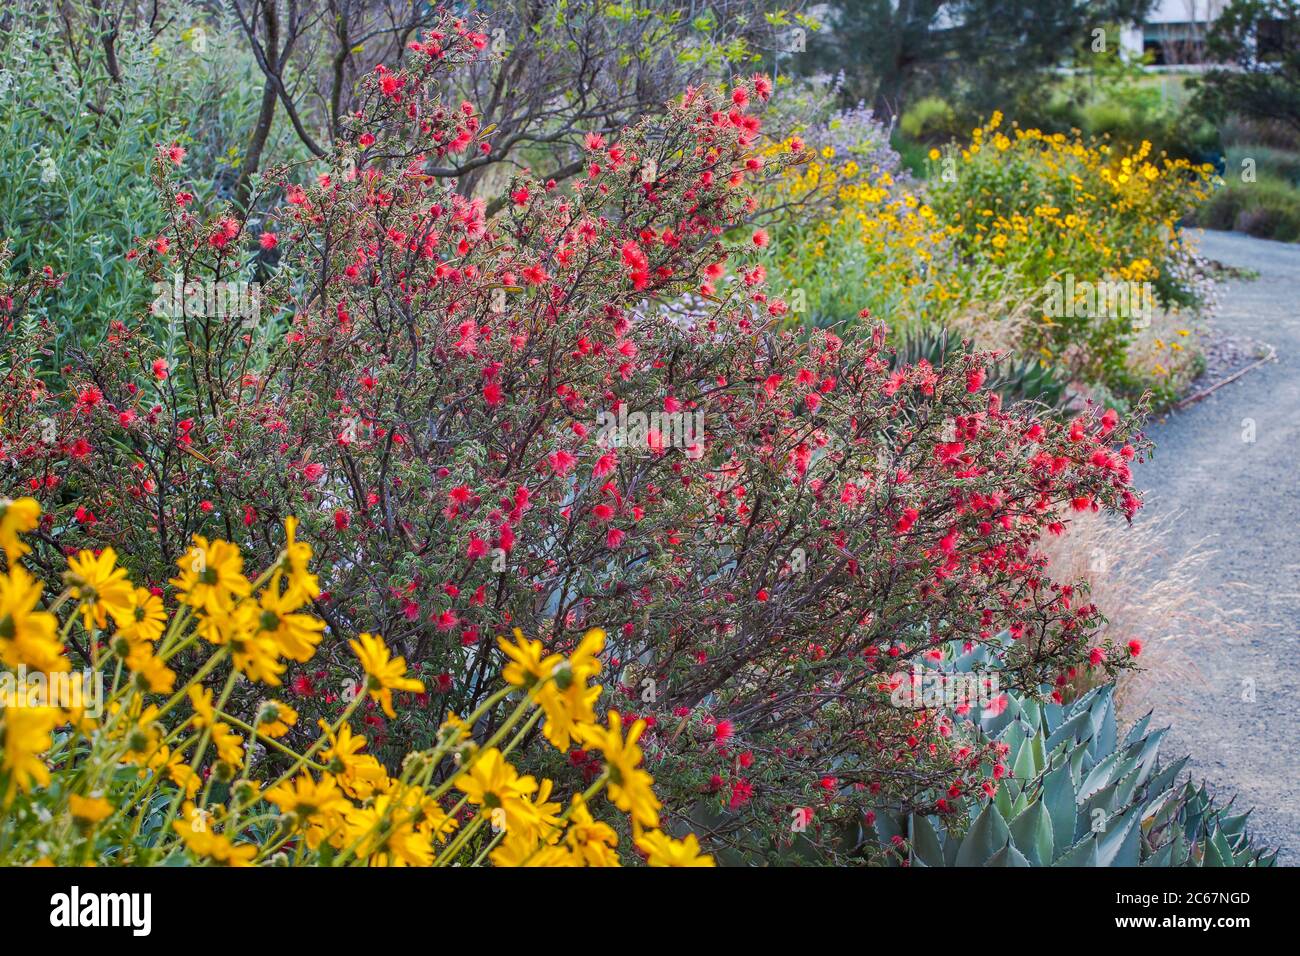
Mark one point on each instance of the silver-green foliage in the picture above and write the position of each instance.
(1078, 795)
(77, 147)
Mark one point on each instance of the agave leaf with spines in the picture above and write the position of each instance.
(1076, 796)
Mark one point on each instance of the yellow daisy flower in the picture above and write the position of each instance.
(559, 686)
(256, 656)
(100, 586)
(17, 517)
(275, 718)
(384, 672)
(663, 850)
(519, 852)
(28, 637)
(309, 802)
(212, 576)
(230, 746)
(89, 810)
(629, 787)
(195, 830)
(389, 835)
(146, 619)
(301, 585)
(589, 839)
(151, 674)
(360, 775)
(26, 736)
(493, 784)
(529, 663)
(201, 700)
(295, 635)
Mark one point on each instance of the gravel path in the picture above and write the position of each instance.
(1241, 719)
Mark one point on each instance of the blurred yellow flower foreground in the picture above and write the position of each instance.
(118, 763)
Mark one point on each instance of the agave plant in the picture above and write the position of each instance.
(1077, 795)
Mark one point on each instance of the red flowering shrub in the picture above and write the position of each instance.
(433, 394)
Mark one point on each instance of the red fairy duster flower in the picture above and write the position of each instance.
(561, 461)
(741, 793)
(907, 520)
(722, 732)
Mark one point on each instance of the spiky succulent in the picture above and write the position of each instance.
(1077, 795)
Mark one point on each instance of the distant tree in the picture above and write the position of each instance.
(986, 50)
(560, 68)
(1258, 41)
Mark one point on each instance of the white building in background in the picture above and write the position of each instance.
(1173, 32)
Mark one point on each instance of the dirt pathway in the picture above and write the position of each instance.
(1230, 466)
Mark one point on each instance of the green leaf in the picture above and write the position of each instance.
(1058, 796)
(1074, 729)
(1112, 798)
(1164, 780)
(1021, 803)
(1004, 797)
(1031, 831)
(1024, 766)
(1008, 856)
(1162, 857)
(1083, 853)
(1106, 735)
(987, 835)
(1031, 714)
(1138, 731)
(925, 842)
(1234, 825)
(1121, 846)
(1217, 851)
(1147, 757)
